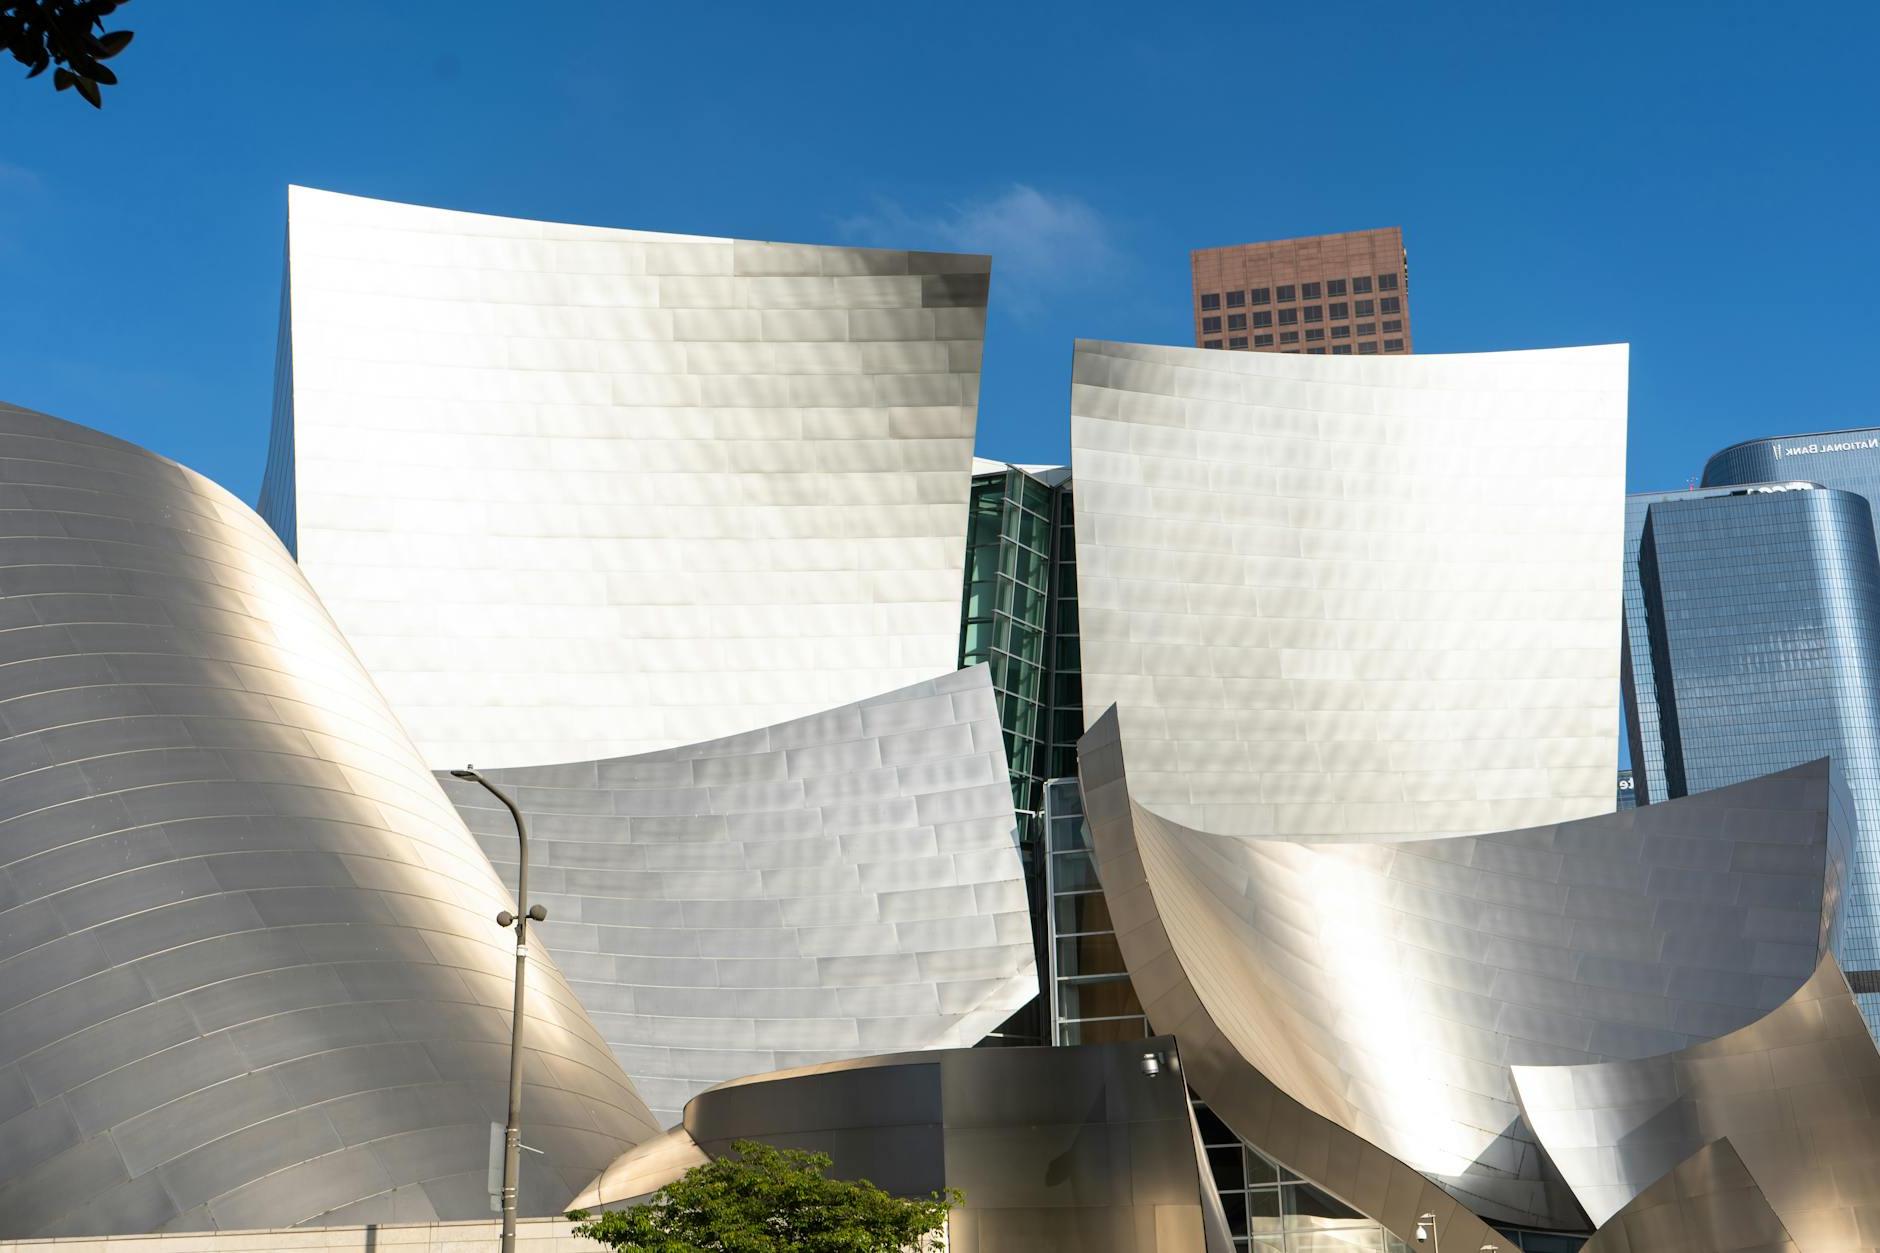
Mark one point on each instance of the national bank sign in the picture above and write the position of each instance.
(1847, 445)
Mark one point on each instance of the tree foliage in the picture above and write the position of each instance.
(770, 1200)
(68, 34)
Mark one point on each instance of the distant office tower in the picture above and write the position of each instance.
(1849, 460)
(1627, 795)
(1336, 295)
(1753, 644)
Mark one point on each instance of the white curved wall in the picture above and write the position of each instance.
(575, 492)
(831, 887)
(1354, 597)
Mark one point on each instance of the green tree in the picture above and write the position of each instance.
(67, 33)
(770, 1200)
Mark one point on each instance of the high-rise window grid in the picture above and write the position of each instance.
(1003, 616)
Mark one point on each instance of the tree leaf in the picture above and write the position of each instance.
(89, 90)
(63, 78)
(114, 43)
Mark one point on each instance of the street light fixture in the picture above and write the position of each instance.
(1426, 1230)
(512, 1130)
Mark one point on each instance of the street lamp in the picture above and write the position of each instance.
(1426, 1230)
(512, 1130)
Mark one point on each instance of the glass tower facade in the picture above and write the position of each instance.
(1018, 615)
(1755, 646)
(1848, 460)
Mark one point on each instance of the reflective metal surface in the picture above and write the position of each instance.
(1797, 1093)
(1067, 1150)
(1383, 989)
(249, 973)
(835, 886)
(574, 492)
(1707, 1204)
(1339, 597)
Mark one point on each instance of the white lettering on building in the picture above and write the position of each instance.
(1846, 445)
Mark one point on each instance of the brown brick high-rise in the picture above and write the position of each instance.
(1331, 294)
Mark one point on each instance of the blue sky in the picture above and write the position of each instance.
(1681, 176)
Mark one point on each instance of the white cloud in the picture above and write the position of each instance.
(18, 177)
(1041, 244)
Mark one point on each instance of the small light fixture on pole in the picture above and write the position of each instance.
(512, 1130)
(1426, 1230)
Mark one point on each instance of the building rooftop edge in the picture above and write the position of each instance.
(1768, 439)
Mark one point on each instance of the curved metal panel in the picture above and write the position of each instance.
(829, 887)
(576, 492)
(1060, 1150)
(1340, 597)
(1708, 1204)
(250, 975)
(1386, 988)
(1797, 1093)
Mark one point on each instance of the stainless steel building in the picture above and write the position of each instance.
(249, 973)
(832, 887)
(574, 492)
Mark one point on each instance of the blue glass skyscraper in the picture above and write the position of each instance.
(1849, 460)
(1752, 621)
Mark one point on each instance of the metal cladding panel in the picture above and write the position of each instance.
(576, 492)
(823, 888)
(1064, 1150)
(1340, 597)
(250, 974)
(1708, 1204)
(1796, 1093)
(1385, 989)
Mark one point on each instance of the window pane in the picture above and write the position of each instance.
(1074, 872)
(1089, 955)
(1103, 998)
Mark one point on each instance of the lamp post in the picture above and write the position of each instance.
(1426, 1229)
(512, 1129)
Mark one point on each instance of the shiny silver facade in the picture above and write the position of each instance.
(830, 887)
(249, 974)
(1386, 988)
(574, 492)
(1341, 597)
(1709, 1203)
(1796, 1093)
(1071, 1150)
